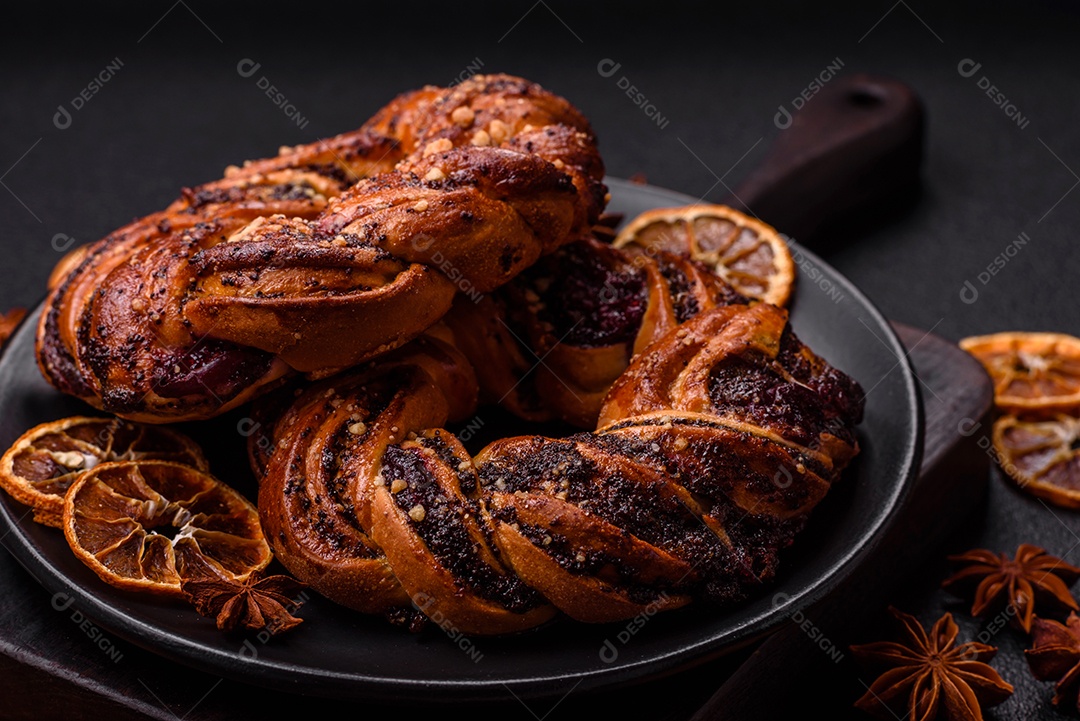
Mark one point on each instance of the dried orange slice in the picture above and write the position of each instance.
(40, 466)
(745, 252)
(9, 322)
(1043, 456)
(1032, 372)
(148, 525)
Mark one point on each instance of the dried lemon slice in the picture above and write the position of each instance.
(43, 463)
(1032, 372)
(149, 525)
(745, 252)
(1043, 457)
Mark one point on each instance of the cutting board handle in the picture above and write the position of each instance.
(854, 146)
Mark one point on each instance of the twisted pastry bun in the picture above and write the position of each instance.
(325, 256)
(585, 310)
(714, 443)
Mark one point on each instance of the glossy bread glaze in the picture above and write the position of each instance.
(324, 256)
(715, 440)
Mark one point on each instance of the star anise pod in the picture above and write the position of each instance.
(1055, 656)
(1018, 583)
(255, 603)
(930, 674)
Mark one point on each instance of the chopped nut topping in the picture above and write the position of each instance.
(358, 429)
(680, 443)
(435, 174)
(463, 116)
(417, 513)
(580, 558)
(481, 138)
(499, 131)
(246, 232)
(438, 146)
(559, 164)
(398, 485)
(420, 206)
(138, 305)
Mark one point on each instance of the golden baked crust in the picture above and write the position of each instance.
(328, 254)
(714, 442)
(586, 310)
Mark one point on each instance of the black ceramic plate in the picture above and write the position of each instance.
(340, 653)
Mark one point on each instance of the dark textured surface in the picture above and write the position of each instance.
(177, 112)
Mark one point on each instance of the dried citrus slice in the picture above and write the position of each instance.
(745, 252)
(9, 322)
(1042, 456)
(1031, 371)
(148, 525)
(40, 466)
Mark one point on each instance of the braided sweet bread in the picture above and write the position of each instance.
(714, 441)
(328, 254)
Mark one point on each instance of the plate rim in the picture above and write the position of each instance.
(604, 677)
